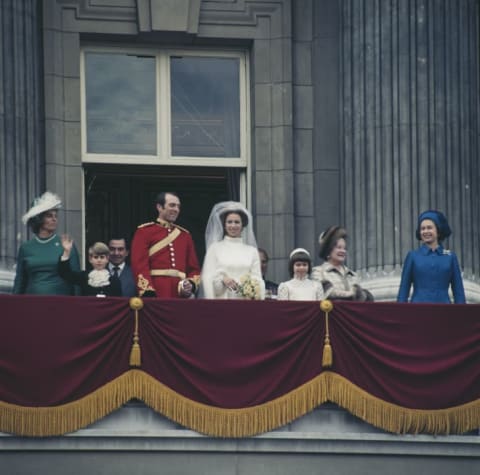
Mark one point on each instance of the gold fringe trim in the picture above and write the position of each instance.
(58, 420)
(243, 422)
(398, 419)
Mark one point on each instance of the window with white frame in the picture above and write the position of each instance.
(168, 107)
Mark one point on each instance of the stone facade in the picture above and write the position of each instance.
(362, 114)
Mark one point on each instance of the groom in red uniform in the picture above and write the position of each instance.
(163, 257)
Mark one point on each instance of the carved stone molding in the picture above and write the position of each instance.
(181, 16)
(244, 13)
(168, 15)
(122, 10)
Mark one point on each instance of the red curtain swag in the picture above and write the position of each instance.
(237, 368)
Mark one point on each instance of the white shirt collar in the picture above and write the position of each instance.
(120, 267)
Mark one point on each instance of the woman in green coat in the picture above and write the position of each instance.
(37, 259)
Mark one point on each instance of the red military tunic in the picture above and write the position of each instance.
(162, 255)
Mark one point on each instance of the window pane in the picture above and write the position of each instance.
(120, 104)
(205, 105)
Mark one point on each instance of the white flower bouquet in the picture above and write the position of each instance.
(249, 287)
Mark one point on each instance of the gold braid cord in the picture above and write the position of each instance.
(243, 422)
(327, 359)
(136, 304)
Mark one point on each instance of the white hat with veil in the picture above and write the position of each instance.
(215, 227)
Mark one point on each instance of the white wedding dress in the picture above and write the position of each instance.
(229, 257)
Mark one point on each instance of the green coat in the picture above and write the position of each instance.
(37, 263)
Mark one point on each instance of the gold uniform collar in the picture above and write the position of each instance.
(164, 224)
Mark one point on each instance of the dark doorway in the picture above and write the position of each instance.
(119, 198)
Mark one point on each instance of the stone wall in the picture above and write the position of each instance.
(362, 114)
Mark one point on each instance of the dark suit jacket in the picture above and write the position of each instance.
(271, 286)
(129, 289)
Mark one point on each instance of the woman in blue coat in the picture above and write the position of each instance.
(431, 268)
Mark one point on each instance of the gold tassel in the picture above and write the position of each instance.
(327, 358)
(135, 355)
(136, 304)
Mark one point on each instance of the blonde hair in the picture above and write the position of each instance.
(98, 249)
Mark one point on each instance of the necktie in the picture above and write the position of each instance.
(115, 271)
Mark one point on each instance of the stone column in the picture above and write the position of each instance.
(303, 93)
(327, 113)
(21, 124)
(410, 129)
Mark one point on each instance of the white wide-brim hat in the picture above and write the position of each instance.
(41, 204)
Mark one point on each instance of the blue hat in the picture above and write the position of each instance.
(440, 221)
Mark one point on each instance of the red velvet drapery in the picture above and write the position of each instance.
(233, 356)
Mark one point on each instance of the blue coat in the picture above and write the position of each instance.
(431, 273)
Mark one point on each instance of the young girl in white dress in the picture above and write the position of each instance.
(300, 287)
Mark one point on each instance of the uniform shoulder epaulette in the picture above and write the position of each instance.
(182, 229)
(144, 225)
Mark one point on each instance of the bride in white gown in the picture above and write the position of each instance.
(232, 253)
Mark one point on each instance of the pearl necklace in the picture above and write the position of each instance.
(44, 241)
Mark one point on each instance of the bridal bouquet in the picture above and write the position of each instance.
(249, 287)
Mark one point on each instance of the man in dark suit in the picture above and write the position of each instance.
(119, 268)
